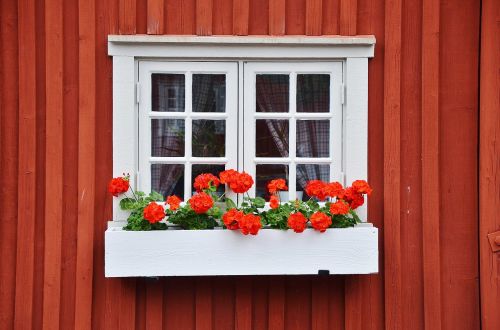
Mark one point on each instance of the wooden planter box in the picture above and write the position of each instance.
(224, 252)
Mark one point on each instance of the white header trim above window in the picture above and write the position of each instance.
(236, 47)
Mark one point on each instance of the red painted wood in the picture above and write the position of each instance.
(243, 303)
(348, 17)
(259, 22)
(155, 16)
(295, 17)
(277, 17)
(241, 10)
(181, 17)
(154, 304)
(330, 24)
(222, 22)
(314, 17)
(127, 12)
(203, 304)
(260, 302)
(204, 13)
(489, 162)
(179, 303)
(319, 304)
(277, 305)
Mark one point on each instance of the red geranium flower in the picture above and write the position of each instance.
(354, 198)
(320, 221)
(339, 207)
(250, 224)
(154, 212)
(297, 222)
(318, 189)
(118, 185)
(362, 187)
(173, 202)
(274, 202)
(231, 219)
(276, 185)
(227, 176)
(335, 189)
(201, 202)
(204, 180)
(240, 183)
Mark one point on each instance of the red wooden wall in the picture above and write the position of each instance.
(55, 158)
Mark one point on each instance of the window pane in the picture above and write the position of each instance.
(209, 92)
(168, 179)
(198, 169)
(308, 172)
(313, 93)
(271, 138)
(167, 92)
(167, 137)
(209, 138)
(272, 92)
(266, 173)
(313, 138)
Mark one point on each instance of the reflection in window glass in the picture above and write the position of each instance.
(272, 92)
(308, 172)
(266, 173)
(313, 93)
(209, 92)
(271, 138)
(313, 138)
(168, 179)
(167, 137)
(167, 92)
(214, 169)
(209, 138)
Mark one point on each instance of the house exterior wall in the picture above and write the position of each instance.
(56, 160)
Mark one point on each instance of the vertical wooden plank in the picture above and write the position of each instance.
(141, 13)
(319, 303)
(204, 17)
(260, 303)
(203, 304)
(243, 303)
(314, 18)
(127, 16)
(181, 17)
(26, 215)
(277, 303)
(54, 163)
(86, 165)
(179, 303)
(348, 17)
(241, 11)
(392, 166)
(222, 21)
(155, 16)
(489, 162)
(295, 17)
(430, 164)
(336, 302)
(8, 157)
(298, 302)
(276, 17)
(154, 304)
(331, 15)
(223, 307)
(259, 17)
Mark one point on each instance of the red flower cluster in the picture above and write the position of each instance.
(201, 202)
(204, 180)
(339, 207)
(250, 224)
(238, 182)
(276, 185)
(362, 187)
(231, 219)
(320, 221)
(274, 202)
(154, 212)
(321, 190)
(118, 185)
(173, 202)
(297, 221)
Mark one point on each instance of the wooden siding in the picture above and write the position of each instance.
(55, 158)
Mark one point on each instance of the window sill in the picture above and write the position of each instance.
(222, 252)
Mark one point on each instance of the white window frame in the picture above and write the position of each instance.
(127, 51)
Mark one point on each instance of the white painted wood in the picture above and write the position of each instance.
(224, 252)
(356, 124)
(231, 47)
(146, 68)
(124, 124)
(335, 70)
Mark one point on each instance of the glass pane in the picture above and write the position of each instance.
(198, 169)
(266, 173)
(271, 138)
(272, 92)
(168, 179)
(308, 172)
(167, 137)
(313, 138)
(313, 93)
(209, 138)
(167, 92)
(209, 92)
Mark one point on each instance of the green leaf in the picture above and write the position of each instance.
(127, 204)
(156, 196)
(259, 202)
(230, 204)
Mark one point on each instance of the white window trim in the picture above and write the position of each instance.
(127, 50)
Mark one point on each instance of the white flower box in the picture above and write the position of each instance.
(225, 252)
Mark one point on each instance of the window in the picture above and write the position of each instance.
(291, 107)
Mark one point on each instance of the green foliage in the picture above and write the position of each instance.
(136, 221)
(186, 218)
